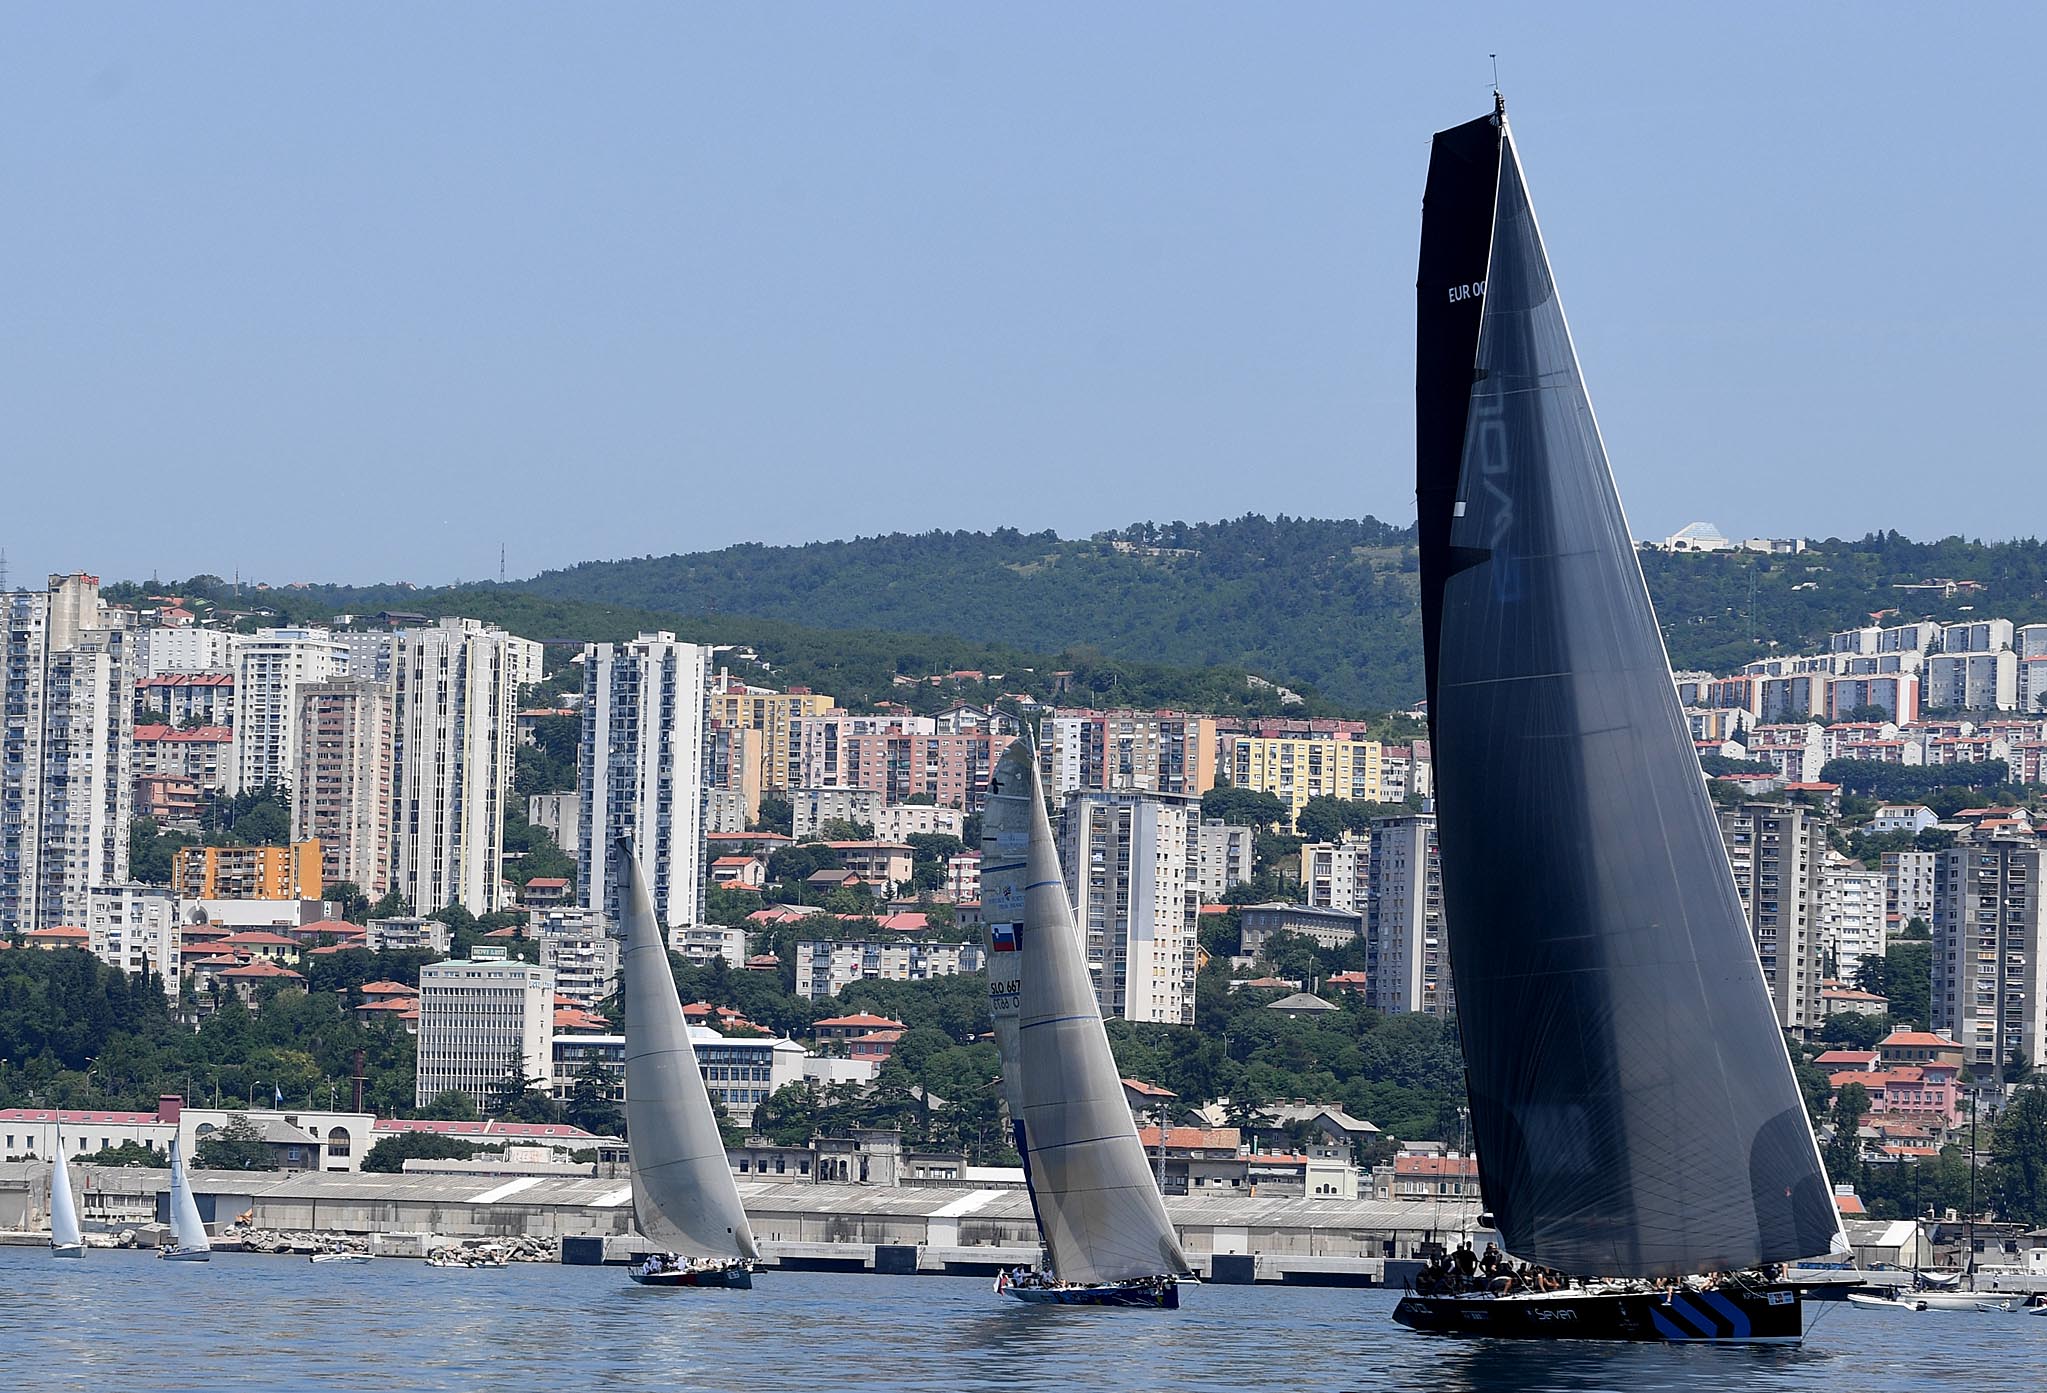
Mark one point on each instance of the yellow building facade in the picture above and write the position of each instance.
(249, 872)
(774, 715)
(1297, 768)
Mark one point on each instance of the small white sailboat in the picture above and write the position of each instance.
(346, 1256)
(1896, 1303)
(1108, 1238)
(684, 1197)
(65, 1239)
(188, 1230)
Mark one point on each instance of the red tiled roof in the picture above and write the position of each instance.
(481, 1129)
(261, 967)
(547, 882)
(1456, 1167)
(61, 932)
(118, 1119)
(389, 989)
(257, 938)
(1193, 1138)
(1919, 1037)
(1148, 1090)
(862, 1018)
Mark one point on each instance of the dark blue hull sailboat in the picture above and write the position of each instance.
(1632, 1100)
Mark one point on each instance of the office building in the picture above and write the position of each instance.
(483, 1025)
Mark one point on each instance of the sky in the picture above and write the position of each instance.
(374, 293)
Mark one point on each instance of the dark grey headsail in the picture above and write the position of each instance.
(1632, 1100)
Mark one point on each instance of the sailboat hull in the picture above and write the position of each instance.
(1162, 1296)
(730, 1278)
(184, 1254)
(1763, 1316)
(67, 1250)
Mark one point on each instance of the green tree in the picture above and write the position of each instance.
(1844, 1151)
(348, 897)
(1243, 807)
(590, 1104)
(390, 1154)
(450, 1105)
(2018, 1157)
(776, 815)
(1908, 981)
(235, 1146)
(844, 829)
(130, 1153)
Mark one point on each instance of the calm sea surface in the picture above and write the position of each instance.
(124, 1321)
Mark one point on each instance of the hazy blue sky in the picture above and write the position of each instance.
(361, 292)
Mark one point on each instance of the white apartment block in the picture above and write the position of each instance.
(560, 815)
(408, 933)
(527, 657)
(1976, 636)
(369, 654)
(584, 963)
(270, 666)
(482, 1023)
(185, 650)
(1224, 855)
(1407, 954)
(826, 969)
(1908, 887)
(641, 771)
(963, 877)
(1851, 918)
(811, 808)
(901, 821)
(1337, 875)
(452, 755)
(343, 785)
(67, 684)
(1131, 862)
(1777, 852)
(702, 943)
(1973, 681)
(1797, 750)
(2030, 642)
(1987, 942)
(137, 928)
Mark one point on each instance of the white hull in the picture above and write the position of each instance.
(67, 1250)
(185, 1254)
(1963, 1301)
(341, 1257)
(1895, 1303)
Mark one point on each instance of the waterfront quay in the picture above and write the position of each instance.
(961, 1231)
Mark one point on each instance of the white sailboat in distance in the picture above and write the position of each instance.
(1108, 1239)
(65, 1239)
(188, 1230)
(684, 1196)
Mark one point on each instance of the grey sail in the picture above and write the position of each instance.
(1097, 1203)
(188, 1230)
(1633, 1104)
(64, 1231)
(684, 1196)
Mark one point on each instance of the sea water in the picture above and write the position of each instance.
(125, 1321)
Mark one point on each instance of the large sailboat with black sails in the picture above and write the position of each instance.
(684, 1196)
(1108, 1240)
(1641, 1138)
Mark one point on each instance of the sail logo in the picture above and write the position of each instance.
(1472, 290)
(1004, 938)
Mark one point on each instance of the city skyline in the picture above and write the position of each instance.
(515, 274)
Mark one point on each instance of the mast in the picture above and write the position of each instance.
(188, 1230)
(683, 1191)
(1632, 1100)
(1097, 1204)
(64, 1231)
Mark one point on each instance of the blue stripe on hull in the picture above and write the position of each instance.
(1690, 1317)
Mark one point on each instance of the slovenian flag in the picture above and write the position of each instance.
(1002, 938)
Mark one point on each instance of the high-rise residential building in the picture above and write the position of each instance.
(248, 872)
(342, 789)
(1851, 917)
(1132, 875)
(1777, 852)
(188, 698)
(735, 705)
(1337, 875)
(369, 654)
(452, 754)
(2030, 643)
(583, 958)
(137, 928)
(528, 659)
(67, 719)
(641, 767)
(736, 761)
(1988, 993)
(1407, 954)
(898, 757)
(270, 666)
(202, 754)
(1295, 768)
(1225, 854)
(482, 1025)
(1149, 751)
(1972, 681)
(1908, 888)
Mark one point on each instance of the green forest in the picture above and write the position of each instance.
(1167, 613)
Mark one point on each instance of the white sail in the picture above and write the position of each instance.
(1091, 1184)
(63, 1209)
(187, 1228)
(683, 1192)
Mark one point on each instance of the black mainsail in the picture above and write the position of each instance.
(1632, 1099)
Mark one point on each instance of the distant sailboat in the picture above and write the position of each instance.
(1633, 1103)
(188, 1230)
(1107, 1236)
(683, 1192)
(65, 1239)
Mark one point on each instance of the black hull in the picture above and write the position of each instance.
(1160, 1297)
(1772, 1316)
(730, 1278)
